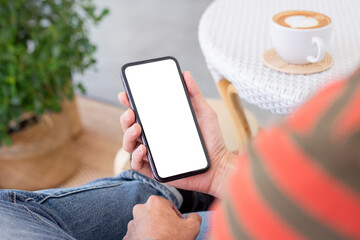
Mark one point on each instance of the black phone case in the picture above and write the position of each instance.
(143, 133)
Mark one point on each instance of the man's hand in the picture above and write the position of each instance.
(220, 157)
(158, 218)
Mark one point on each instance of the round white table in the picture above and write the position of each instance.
(233, 35)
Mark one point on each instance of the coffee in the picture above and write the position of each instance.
(300, 37)
(301, 19)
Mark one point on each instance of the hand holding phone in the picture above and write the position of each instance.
(207, 121)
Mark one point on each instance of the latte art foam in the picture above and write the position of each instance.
(301, 19)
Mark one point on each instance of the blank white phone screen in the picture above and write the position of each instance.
(166, 117)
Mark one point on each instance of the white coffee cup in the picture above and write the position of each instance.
(300, 45)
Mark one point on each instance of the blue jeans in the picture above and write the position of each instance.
(97, 210)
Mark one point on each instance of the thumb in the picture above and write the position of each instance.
(193, 217)
(196, 96)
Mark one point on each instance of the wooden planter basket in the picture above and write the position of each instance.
(42, 155)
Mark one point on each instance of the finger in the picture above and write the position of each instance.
(159, 201)
(141, 164)
(194, 221)
(140, 142)
(123, 98)
(193, 89)
(130, 230)
(171, 205)
(130, 137)
(194, 217)
(127, 119)
(177, 211)
(139, 139)
(154, 200)
(137, 157)
(195, 94)
(137, 209)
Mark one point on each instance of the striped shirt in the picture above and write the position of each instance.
(301, 179)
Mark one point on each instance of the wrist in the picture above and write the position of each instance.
(223, 170)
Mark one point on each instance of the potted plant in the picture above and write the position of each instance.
(42, 43)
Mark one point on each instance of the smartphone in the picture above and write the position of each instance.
(158, 95)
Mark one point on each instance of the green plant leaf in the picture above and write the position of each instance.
(81, 88)
(41, 44)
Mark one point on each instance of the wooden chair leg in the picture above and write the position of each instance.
(231, 98)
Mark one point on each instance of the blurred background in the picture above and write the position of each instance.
(59, 124)
(141, 29)
(49, 136)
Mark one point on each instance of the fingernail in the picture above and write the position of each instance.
(133, 129)
(139, 150)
